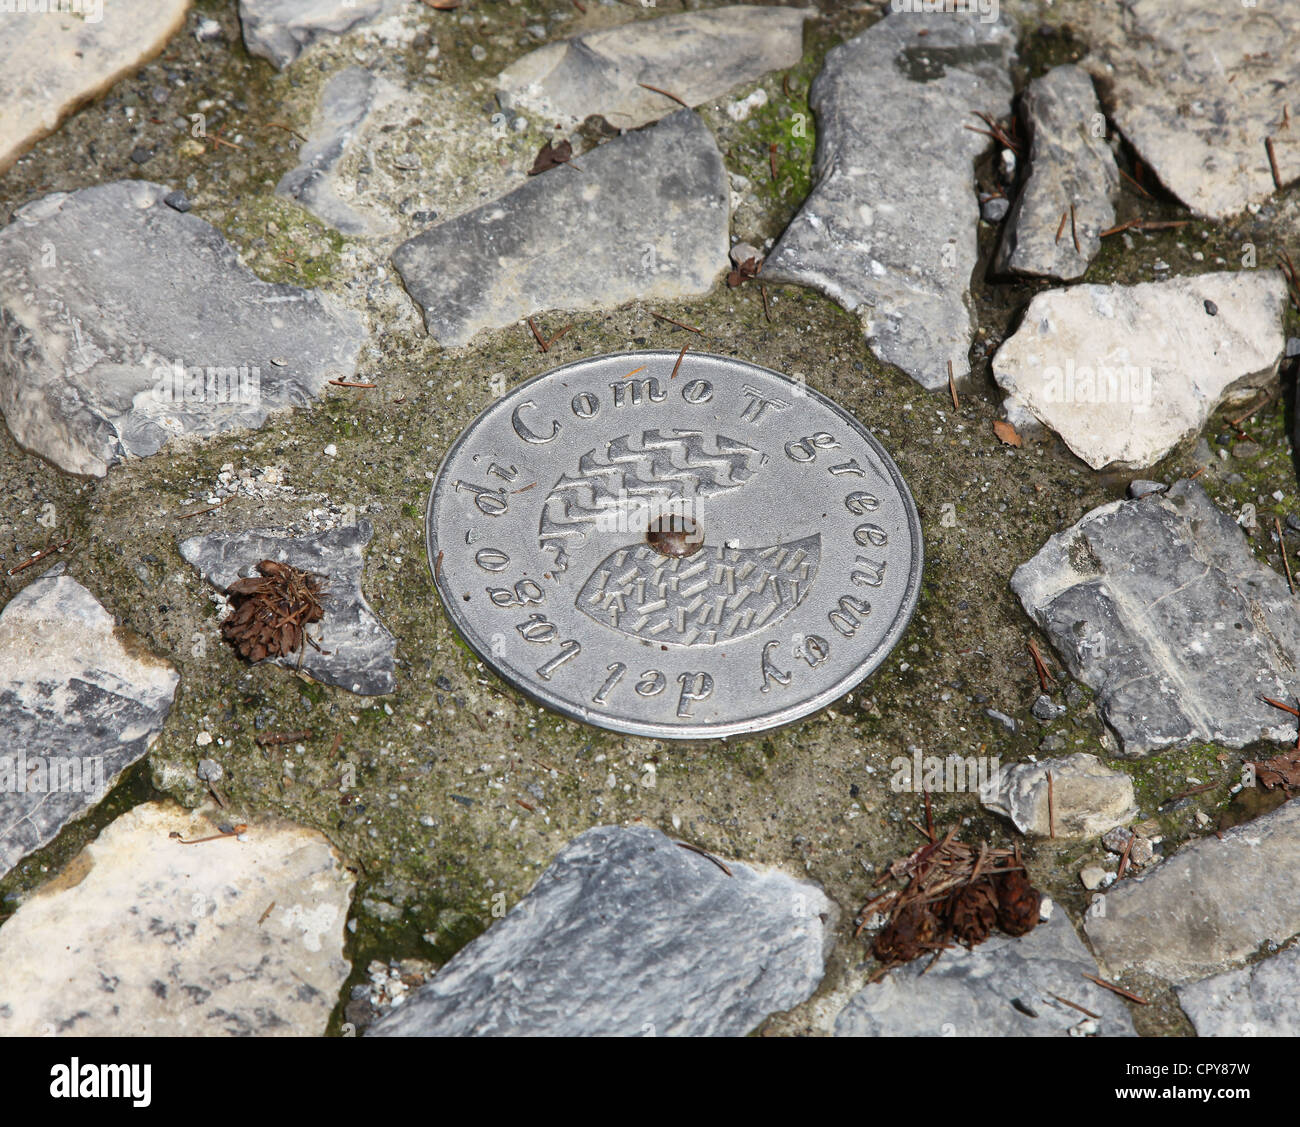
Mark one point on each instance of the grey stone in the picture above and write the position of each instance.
(360, 648)
(1196, 94)
(1087, 797)
(177, 200)
(80, 701)
(646, 216)
(1046, 709)
(1140, 488)
(1212, 904)
(970, 993)
(1125, 373)
(626, 933)
(1292, 347)
(890, 229)
(345, 103)
(279, 30)
(697, 56)
(53, 62)
(1258, 1001)
(1002, 718)
(142, 935)
(1160, 606)
(995, 210)
(209, 770)
(106, 292)
(1069, 166)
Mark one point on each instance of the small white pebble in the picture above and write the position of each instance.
(331, 451)
(203, 739)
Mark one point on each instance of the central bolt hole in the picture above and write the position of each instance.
(674, 535)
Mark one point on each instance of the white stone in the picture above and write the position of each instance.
(1087, 797)
(1124, 373)
(143, 936)
(52, 62)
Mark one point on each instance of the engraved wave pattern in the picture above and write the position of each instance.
(657, 469)
(716, 595)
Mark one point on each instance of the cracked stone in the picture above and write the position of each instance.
(1197, 94)
(81, 700)
(1069, 164)
(143, 936)
(626, 933)
(1211, 904)
(130, 322)
(697, 56)
(346, 102)
(1125, 373)
(1258, 1001)
(646, 218)
(890, 230)
(360, 648)
(1160, 606)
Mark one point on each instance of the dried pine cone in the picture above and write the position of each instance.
(913, 930)
(972, 911)
(1018, 902)
(272, 610)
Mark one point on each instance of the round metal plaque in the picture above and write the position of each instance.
(678, 550)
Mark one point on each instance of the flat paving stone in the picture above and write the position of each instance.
(697, 56)
(973, 993)
(280, 30)
(131, 322)
(890, 229)
(1197, 94)
(1258, 1001)
(1125, 373)
(142, 935)
(1210, 905)
(347, 101)
(1159, 605)
(1072, 174)
(80, 701)
(645, 216)
(360, 648)
(628, 934)
(54, 61)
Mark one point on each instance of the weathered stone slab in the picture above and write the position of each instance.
(1258, 1001)
(645, 216)
(971, 993)
(1124, 373)
(142, 935)
(1087, 797)
(1159, 605)
(889, 231)
(1070, 166)
(1197, 94)
(346, 102)
(698, 56)
(54, 61)
(1208, 906)
(80, 701)
(360, 648)
(626, 933)
(279, 30)
(126, 322)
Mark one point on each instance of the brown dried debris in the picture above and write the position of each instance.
(272, 610)
(953, 893)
